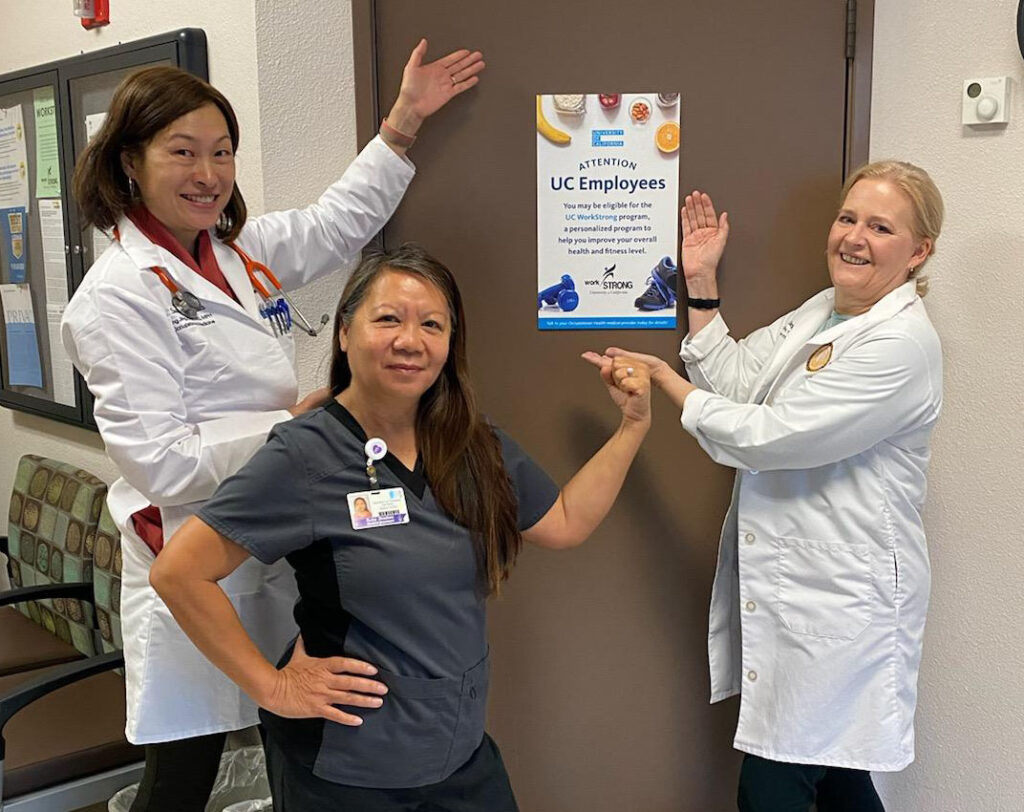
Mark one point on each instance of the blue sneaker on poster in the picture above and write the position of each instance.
(661, 291)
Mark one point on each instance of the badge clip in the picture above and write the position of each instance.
(376, 449)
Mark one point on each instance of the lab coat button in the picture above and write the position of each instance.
(752, 676)
(749, 538)
(472, 693)
(751, 606)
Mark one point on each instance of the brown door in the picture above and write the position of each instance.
(600, 686)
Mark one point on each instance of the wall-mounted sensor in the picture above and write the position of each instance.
(986, 101)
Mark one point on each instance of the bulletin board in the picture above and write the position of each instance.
(47, 115)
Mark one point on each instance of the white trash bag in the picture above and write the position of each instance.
(266, 805)
(241, 785)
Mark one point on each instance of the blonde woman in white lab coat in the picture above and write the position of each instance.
(819, 600)
(187, 346)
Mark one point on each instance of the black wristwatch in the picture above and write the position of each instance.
(704, 304)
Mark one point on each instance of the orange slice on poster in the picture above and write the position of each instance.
(667, 137)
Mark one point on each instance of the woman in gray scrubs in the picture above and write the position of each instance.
(380, 702)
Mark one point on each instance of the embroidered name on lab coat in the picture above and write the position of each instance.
(179, 322)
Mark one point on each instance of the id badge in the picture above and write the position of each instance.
(369, 509)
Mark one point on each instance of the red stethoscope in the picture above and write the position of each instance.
(275, 305)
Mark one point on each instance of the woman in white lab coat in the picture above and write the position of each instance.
(819, 599)
(187, 346)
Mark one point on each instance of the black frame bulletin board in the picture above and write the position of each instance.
(45, 252)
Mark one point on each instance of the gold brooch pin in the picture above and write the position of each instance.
(819, 358)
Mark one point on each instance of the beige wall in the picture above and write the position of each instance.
(297, 102)
(307, 130)
(971, 712)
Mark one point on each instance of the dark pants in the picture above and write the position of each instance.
(179, 775)
(776, 786)
(479, 785)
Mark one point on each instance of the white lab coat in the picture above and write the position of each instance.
(182, 404)
(819, 600)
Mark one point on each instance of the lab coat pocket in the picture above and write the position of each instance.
(823, 588)
(403, 743)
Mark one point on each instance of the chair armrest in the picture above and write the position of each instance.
(54, 678)
(82, 591)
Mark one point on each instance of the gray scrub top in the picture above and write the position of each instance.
(406, 598)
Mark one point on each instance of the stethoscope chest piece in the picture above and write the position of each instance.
(186, 303)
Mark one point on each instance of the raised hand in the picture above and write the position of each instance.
(311, 687)
(426, 88)
(629, 384)
(704, 238)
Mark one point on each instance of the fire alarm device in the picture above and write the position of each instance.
(92, 13)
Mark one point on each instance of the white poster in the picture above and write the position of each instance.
(51, 226)
(13, 160)
(607, 210)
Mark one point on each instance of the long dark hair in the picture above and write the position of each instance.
(461, 452)
(146, 102)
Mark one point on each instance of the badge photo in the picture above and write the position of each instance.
(368, 509)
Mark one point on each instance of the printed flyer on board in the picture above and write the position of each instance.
(607, 210)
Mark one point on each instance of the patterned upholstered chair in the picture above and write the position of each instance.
(46, 617)
(62, 743)
(106, 581)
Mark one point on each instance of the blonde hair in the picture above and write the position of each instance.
(925, 202)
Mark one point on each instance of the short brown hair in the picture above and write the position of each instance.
(146, 101)
(925, 202)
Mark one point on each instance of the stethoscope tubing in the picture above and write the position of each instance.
(280, 315)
